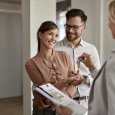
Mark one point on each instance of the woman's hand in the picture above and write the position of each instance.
(76, 79)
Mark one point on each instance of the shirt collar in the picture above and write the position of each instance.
(66, 42)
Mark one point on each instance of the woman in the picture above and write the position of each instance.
(49, 66)
(101, 101)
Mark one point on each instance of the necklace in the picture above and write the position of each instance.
(51, 64)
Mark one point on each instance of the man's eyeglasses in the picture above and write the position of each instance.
(74, 27)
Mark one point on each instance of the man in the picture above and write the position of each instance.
(74, 45)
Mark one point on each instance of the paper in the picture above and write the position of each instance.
(59, 98)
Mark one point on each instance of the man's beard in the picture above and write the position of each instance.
(73, 38)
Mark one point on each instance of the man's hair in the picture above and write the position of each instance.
(76, 12)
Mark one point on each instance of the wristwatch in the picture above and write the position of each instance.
(87, 80)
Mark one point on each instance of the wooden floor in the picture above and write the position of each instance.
(11, 106)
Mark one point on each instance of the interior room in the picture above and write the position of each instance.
(19, 21)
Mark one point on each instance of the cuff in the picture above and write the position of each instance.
(94, 73)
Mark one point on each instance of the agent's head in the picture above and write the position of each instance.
(112, 17)
(47, 35)
(75, 24)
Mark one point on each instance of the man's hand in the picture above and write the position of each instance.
(86, 59)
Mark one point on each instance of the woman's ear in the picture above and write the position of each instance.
(39, 35)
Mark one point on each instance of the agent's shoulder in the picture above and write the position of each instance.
(111, 59)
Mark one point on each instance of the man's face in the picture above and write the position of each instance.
(74, 28)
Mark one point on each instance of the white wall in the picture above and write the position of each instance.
(88, 7)
(10, 55)
(34, 13)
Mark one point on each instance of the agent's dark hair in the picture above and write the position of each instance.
(45, 26)
(76, 12)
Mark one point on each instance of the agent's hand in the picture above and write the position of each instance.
(86, 59)
(62, 110)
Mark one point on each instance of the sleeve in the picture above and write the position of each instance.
(94, 72)
(76, 114)
(96, 61)
(95, 58)
(34, 73)
(110, 81)
(37, 79)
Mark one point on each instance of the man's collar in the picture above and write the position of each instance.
(66, 42)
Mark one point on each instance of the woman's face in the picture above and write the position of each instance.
(48, 38)
(112, 27)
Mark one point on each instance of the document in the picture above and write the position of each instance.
(59, 98)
